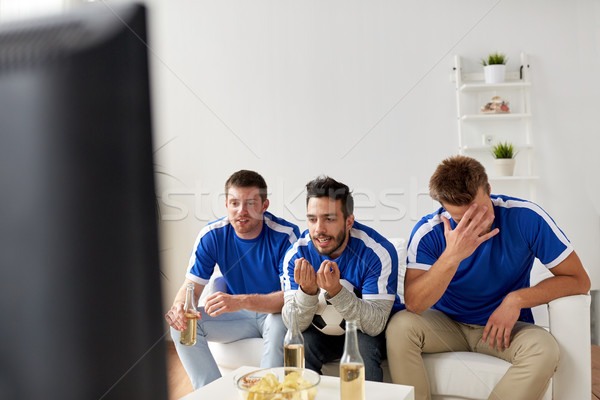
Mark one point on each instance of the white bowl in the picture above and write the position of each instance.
(246, 384)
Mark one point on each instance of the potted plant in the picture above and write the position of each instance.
(504, 158)
(494, 67)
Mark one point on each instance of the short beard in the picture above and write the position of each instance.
(341, 238)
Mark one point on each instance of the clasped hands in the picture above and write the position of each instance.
(327, 277)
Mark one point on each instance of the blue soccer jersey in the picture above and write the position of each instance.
(369, 262)
(499, 265)
(248, 266)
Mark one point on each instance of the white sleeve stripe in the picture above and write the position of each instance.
(420, 233)
(382, 253)
(288, 230)
(197, 279)
(424, 267)
(538, 210)
(285, 279)
(560, 258)
(204, 231)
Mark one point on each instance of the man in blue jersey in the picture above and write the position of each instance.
(467, 283)
(335, 248)
(248, 246)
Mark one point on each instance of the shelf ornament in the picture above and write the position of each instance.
(496, 106)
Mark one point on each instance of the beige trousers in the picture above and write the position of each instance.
(533, 353)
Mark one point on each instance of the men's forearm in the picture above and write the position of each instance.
(371, 315)
(307, 305)
(546, 291)
(427, 288)
(569, 278)
(264, 303)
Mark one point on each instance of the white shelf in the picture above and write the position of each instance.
(482, 86)
(491, 117)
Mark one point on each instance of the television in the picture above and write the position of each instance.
(80, 295)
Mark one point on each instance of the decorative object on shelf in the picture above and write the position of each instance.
(496, 106)
(504, 158)
(494, 67)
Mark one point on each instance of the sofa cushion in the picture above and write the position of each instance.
(465, 374)
(230, 356)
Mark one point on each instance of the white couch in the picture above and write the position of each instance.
(463, 375)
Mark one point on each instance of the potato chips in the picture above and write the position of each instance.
(269, 388)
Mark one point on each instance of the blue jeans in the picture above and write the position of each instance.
(320, 349)
(225, 328)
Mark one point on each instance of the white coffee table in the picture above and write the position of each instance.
(329, 389)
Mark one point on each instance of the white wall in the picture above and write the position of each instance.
(12, 10)
(360, 91)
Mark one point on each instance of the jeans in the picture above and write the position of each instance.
(320, 349)
(198, 361)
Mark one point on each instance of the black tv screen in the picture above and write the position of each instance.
(80, 295)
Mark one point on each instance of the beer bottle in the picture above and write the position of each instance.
(293, 343)
(352, 367)
(188, 337)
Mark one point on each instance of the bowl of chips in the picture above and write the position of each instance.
(282, 383)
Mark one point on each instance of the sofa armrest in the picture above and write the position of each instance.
(569, 319)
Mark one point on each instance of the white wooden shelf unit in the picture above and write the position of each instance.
(477, 132)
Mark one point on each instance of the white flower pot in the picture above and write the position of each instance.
(504, 166)
(494, 73)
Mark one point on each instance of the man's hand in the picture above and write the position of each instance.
(501, 323)
(305, 277)
(219, 303)
(176, 317)
(328, 277)
(470, 232)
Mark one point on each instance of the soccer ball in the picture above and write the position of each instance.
(327, 319)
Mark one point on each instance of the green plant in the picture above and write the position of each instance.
(504, 150)
(494, 58)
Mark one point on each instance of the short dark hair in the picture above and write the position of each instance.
(457, 180)
(246, 178)
(325, 186)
